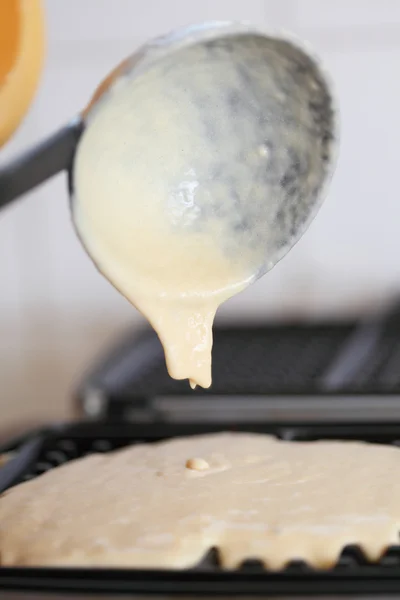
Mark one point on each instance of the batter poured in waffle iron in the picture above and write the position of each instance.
(166, 504)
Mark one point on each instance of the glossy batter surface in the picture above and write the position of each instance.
(195, 176)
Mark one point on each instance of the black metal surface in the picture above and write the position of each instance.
(39, 163)
(318, 361)
(251, 360)
(352, 575)
(262, 360)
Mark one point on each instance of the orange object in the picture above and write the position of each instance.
(21, 60)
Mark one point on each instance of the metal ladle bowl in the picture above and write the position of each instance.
(282, 140)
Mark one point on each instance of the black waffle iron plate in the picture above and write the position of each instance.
(310, 371)
(49, 448)
(294, 381)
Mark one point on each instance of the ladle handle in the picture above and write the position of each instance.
(39, 163)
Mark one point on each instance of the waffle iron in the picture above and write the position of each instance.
(298, 382)
(266, 372)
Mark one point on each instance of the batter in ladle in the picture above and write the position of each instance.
(187, 186)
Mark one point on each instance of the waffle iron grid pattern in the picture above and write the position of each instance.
(256, 362)
(252, 360)
(265, 360)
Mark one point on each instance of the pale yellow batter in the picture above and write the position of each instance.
(138, 213)
(195, 176)
(166, 504)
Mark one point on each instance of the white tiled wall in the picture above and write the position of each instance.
(54, 305)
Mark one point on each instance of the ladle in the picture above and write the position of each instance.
(281, 108)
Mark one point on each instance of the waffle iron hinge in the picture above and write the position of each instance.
(98, 404)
